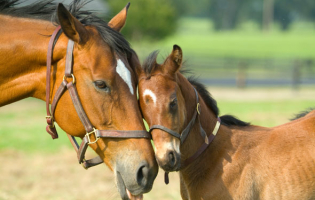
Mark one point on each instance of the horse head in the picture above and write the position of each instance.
(103, 69)
(161, 94)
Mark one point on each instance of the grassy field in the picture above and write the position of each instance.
(40, 168)
(197, 37)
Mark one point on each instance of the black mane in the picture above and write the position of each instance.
(206, 96)
(227, 120)
(46, 10)
(149, 67)
(302, 114)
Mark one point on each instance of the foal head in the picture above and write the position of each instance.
(160, 93)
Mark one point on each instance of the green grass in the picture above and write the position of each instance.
(23, 127)
(196, 37)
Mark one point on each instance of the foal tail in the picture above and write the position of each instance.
(230, 120)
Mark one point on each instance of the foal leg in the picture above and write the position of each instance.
(183, 189)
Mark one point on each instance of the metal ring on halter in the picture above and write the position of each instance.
(52, 121)
(198, 108)
(73, 78)
(88, 136)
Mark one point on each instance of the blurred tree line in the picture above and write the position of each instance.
(156, 19)
(151, 19)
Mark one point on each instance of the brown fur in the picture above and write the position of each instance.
(23, 48)
(243, 162)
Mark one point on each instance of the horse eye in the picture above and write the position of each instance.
(100, 84)
(173, 103)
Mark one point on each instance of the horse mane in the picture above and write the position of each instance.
(302, 114)
(228, 120)
(46, 10)
(149, 67)
(204, 93)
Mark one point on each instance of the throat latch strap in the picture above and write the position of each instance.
(204, 146)
(50, 128)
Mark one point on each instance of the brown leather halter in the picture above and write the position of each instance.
(182, 137)
(78, 107)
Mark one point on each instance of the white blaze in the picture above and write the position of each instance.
(151, 94)
(124, 73)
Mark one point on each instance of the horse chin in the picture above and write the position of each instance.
(170, 169)
(134, 197)
(125, 194)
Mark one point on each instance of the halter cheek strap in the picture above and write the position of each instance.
(182, 137)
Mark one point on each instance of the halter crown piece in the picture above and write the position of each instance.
(89, 128)
(182, 137)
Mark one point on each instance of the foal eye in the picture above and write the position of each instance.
(173, 103)
(101, 85)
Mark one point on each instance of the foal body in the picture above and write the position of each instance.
(243, 161)
(254, 163)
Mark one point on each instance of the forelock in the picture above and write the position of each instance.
(149, 65)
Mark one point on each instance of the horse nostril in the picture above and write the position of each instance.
(172, 159)
(142, 175)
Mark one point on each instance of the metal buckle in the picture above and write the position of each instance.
(198, 108)
(52, 121)
(88, 136)
(73, 78)
(83, 161)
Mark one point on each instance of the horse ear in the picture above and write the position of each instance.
(119, 20)
(71, 27)
(174, 60)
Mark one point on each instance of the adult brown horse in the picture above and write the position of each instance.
(222, 158)
(101, 106)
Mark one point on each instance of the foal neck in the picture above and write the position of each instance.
(24, 43)
(207, 119)
(193, 175)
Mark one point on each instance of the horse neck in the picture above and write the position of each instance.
(194, 140)
(24, 44)
(207, 118)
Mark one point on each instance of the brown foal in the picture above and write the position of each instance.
(103, 74)
(240, 161)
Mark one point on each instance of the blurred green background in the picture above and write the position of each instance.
(257, 58)
(240, 43)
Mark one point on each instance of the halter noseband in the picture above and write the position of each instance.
(70, 86)
(182, 137)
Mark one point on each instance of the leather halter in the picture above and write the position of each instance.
(70, 86)
(182, 137)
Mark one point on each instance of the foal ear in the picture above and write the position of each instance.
(119, 20)
(174, 60)
(71, 27)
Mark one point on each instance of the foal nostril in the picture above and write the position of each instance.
(172, 159)
(142, 175)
